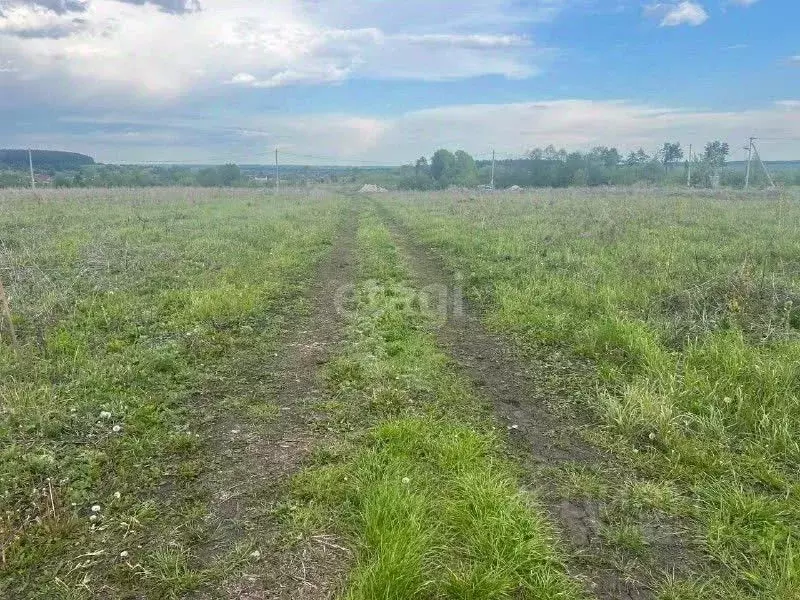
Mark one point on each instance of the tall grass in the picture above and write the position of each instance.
(690, 307)
(420, 487)
(128, 306)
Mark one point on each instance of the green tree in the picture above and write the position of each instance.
(466, 173)
(670, 153)
(229, 174)
(442, 166)
(208, 177)
(640, 157)
(608, 157)
(716, 153)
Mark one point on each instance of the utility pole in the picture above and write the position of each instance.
(277, 174)
(752, 150)
(689, 172)
(763, 166)
(492, 184)
(30, 163)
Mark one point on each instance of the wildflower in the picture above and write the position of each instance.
(255, 554)
(117, 495)
(124, 554)
(96, 508)
(105, 415)
(116, 428)
(406, 480)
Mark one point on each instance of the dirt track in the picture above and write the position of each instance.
(523, 392)
(258, 457)
(257, 462)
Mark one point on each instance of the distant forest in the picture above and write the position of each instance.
(547, 167)
(43, 160)
(601, 166)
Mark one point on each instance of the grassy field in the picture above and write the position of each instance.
(129, 308)
(229, 394)
(418, 486)
(690, 309)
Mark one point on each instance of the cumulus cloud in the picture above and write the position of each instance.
(52, 20)
(171, 6)
(673, 14)
(121, 50)
(61, 7)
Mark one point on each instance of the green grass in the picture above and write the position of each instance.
(141, 316)
(147, 320)
(688, 307)
(418, 485)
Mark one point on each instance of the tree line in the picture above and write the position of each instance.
(540, 167)
(228, 175)
(602, 165)
(100, 175)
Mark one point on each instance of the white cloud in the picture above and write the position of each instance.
(243, 78)
(508, 128)
(742, 2)
(673, 14)
(121, 51)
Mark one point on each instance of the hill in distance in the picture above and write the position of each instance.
(43, 160)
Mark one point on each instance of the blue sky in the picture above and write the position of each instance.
(387, 81)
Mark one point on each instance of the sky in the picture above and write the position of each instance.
(384, 82)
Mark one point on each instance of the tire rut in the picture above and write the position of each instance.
(521, 391)
(257, 459)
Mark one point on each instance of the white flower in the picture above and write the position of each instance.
(105, 415)
(96, 508)
(406, 480)
(116, 428)
(93, 518)
(117, 495)
(124, 554)
(255, 554)
(652, 436)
